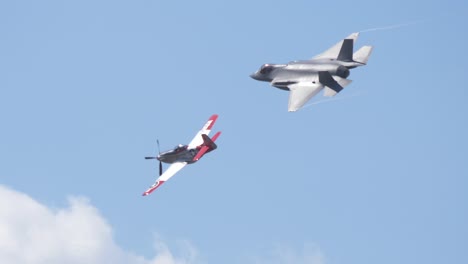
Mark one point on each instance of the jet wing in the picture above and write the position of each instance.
(300, 93)
(334, 52)
(171, 171)
(198, 139)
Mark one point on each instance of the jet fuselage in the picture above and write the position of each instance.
(283, 75)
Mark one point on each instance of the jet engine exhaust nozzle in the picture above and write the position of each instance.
(342, 71)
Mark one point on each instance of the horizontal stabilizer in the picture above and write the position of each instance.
(207, 146)
(363, 54)
(341, 81)
(326, 79)
(329, 92)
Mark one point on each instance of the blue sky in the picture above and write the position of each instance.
(377, 176)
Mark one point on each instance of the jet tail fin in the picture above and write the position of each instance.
(346, 51)
(363, 54)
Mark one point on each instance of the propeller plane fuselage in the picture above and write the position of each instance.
(181, 153)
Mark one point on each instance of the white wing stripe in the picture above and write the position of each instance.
(171, 171)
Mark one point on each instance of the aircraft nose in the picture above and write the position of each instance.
(254, 76)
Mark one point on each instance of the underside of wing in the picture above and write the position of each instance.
(335, 51)
(300, 93)
(171, 171)
(198, 140)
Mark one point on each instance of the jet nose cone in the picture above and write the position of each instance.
(254, 76)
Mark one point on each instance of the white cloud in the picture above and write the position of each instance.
(32, 233)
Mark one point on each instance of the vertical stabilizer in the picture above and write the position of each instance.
(346, 51)
(363, 54)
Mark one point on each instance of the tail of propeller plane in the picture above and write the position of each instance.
(207, 146)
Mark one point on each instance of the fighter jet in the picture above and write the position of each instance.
(305, 78)
(182, 155)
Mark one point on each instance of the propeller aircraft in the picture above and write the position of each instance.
(182, 155)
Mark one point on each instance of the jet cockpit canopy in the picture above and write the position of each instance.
(266, 68)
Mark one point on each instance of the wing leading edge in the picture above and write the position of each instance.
(171, 171)
(300, 93)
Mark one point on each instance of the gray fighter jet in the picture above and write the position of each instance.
(305, 78)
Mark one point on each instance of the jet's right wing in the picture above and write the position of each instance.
(171, 171)
(300, 93)
(342, 50)
(198, 140)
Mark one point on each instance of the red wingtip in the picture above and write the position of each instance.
(153, 187)
(212, 119)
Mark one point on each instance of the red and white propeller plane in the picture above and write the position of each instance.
(182, 155)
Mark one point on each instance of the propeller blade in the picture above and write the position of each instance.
(160, 168)
(159, 150)
(150, 157)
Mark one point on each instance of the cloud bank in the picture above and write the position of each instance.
(32, 233)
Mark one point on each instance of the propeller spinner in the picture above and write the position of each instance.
(160, 163)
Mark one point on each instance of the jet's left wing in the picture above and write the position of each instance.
(171, 171)
(301, 92)
(198, 139)
(342, 50)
